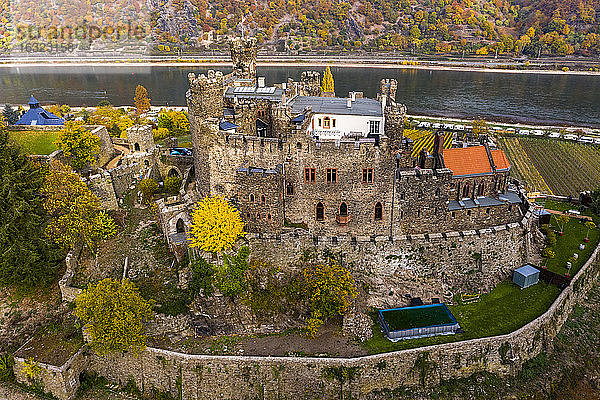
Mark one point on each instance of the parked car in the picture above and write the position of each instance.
(523, 132)
(554, 135)
(586, 139)
(538, 132)
(570, 136)
(597, 140)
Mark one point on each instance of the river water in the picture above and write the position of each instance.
(531, 98)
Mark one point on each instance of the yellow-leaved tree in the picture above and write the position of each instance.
(75, 216)
(328, 85)
(330, 289)
(141, 100)
(216, 225)
(79, 145)
(114, 314)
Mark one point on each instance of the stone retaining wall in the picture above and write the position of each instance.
(238, 377)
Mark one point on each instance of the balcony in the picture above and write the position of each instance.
(343, 219)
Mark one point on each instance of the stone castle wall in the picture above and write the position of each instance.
(239, 377)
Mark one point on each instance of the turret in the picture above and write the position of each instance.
(243, 55)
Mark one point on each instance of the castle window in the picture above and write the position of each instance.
(251, 198)
(402, 195)
(331, 175)
(263, 199)
(319, 122)
(438, 192)
(466, 190)
(374, 127)
(401, 214)
(269, 216)
(333, 123)
(310, 175)
(299, 146)
(367, 175)
(453, 214)
(179, 226)
(326, 122)
(289, 189)
(136, 147)
(257, 216)
(419, 214)
(378, 212)
(343, 209)
(487, 210)
(319, 212)
(469, 213)
(173, 172)
(510, 208)
(420, 194)
(481, 188)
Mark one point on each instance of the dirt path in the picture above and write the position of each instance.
(123, 151)
(570, 215)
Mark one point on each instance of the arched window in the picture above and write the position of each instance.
(343, 209)
(438, 192)
(251, 198)
(320, 212)
(173, 172)
(299, 146)
(136, 147)
(481, 190)
(263, 199)
(269, 216)
(180, 226)
(378, 212)
(257, 216)
(146, 163)
(465, 190)
(247, 215)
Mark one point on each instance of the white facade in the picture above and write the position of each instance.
(332, 126)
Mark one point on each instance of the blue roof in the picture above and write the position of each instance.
(226, 126)
(527, 270)
(298, 118)
(36, 115)
(33, 101)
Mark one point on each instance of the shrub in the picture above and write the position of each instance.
(231, 277)
(6, 367)
(172, 184)
(548, 252)
(202, 277)
(148, 187)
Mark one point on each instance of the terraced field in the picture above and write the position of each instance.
(553, 166)
(523, 167)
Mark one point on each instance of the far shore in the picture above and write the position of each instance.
(313, 63)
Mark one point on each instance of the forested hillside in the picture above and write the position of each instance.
(515, 27)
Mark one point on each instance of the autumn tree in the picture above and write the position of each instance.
(141, 100)
(75, 217)
(562, 220)
(328, 85)
(216, 225)
(329, 288)
(480, 127)
(589, 225)
(78, 145)
(11, 116)
(27, 257)
(114, 313)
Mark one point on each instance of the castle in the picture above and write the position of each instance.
(286, 156)
(308, 170)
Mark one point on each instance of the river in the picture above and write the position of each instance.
(527, 97)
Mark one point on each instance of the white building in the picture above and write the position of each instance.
(335, 118)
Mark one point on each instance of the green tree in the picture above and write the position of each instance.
(141, 100)
(330, 289)
(148, 187)
(172, 184)
(114, 313)
(202, 277)
(75, 217)
(328, 85)
(79, 145)
(27, 257)
(562, 220)
(231, 276)
(589, 225)
(11, 115)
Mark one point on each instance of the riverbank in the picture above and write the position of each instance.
(470, 66)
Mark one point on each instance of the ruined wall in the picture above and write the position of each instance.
(107, 149)
(101, 185)
(241, 377)
(140, 138)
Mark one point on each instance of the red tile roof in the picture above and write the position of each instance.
(467, 161)
(500, 160)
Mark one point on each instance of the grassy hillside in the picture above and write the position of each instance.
(35, 142)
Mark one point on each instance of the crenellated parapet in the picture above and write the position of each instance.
(243, 54)
(205, 97)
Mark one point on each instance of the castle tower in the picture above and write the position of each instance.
(243, 55)
(394, 123)
(388, 87)
(310, 83)
(205, 107)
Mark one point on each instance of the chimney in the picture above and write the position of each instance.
(349, 103)
(283, 98)
(353, 96)
(261, 81)
(383, 101)
(284, 85)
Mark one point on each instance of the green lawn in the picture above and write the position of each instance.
(413, 317)
(505, 309)
(574, 234)
(35, 142)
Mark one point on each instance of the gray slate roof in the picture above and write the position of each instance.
(337, 105)
(510, 197)
(253, 92)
